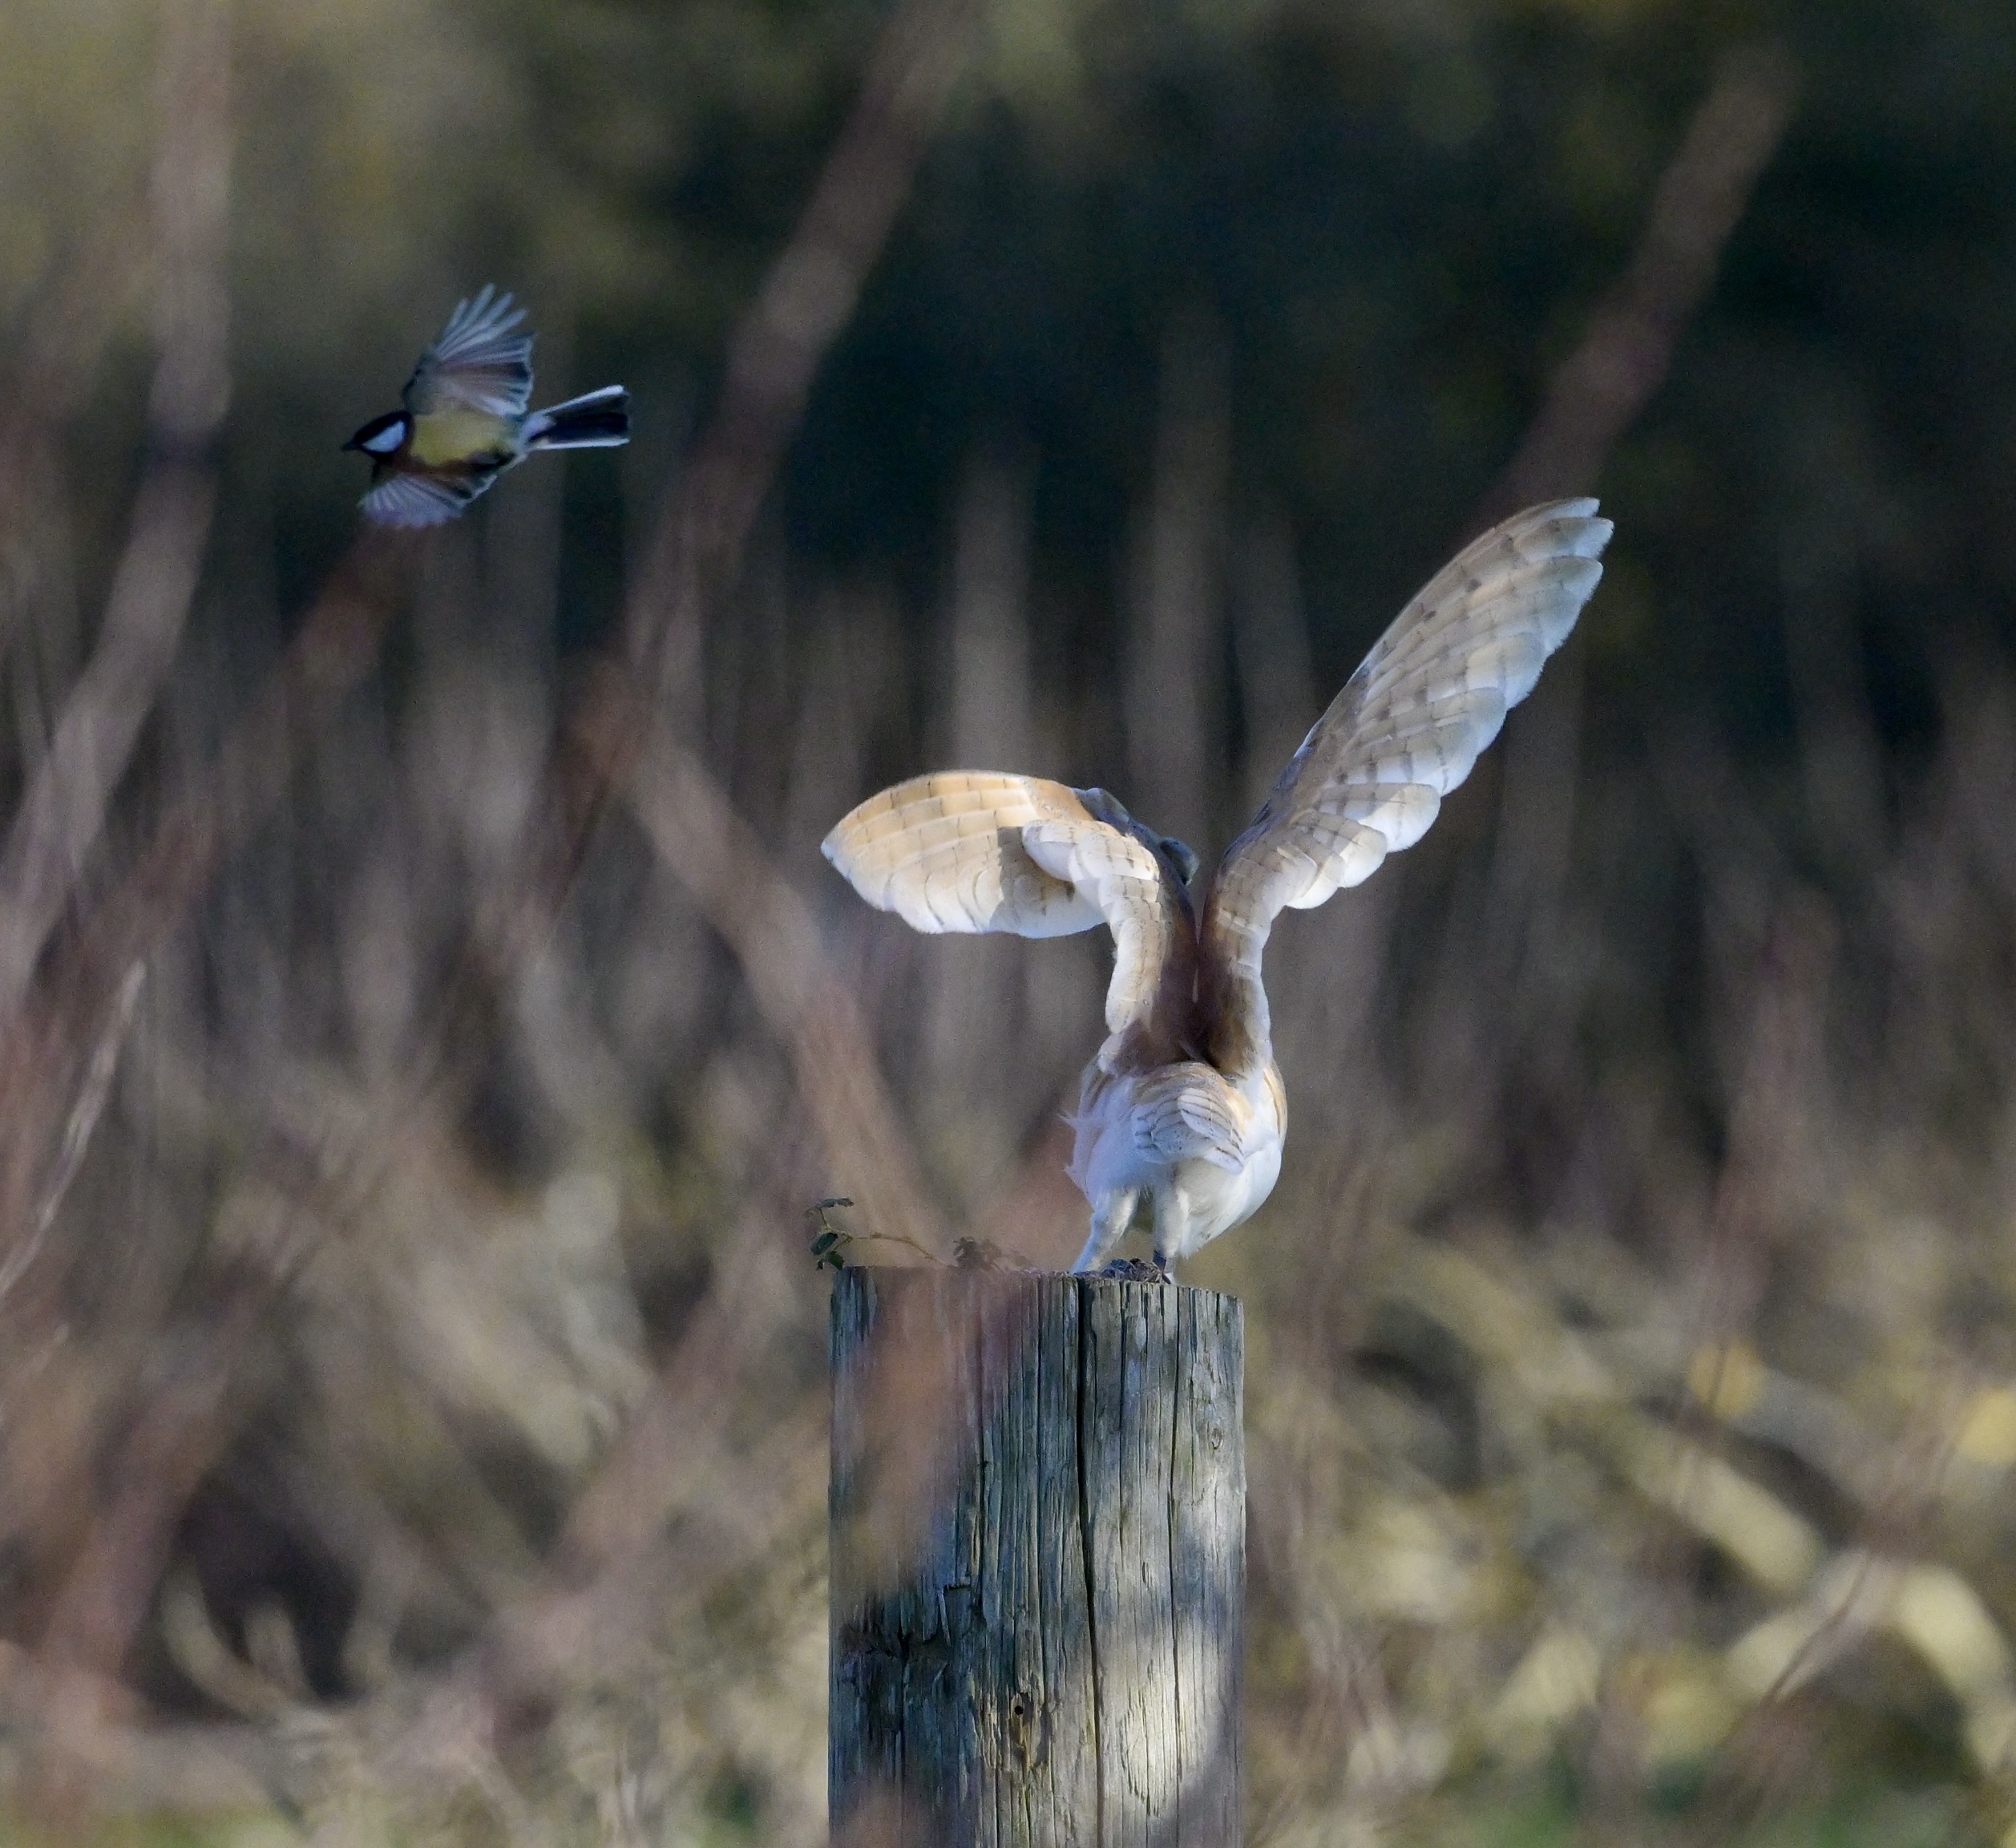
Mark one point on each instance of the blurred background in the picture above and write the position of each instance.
(412, 1367)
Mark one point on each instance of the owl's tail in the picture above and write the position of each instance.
(601, 420)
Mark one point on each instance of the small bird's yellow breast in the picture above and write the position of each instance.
(444, 438)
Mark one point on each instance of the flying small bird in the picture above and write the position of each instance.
(1184, 1103)
(464, 421)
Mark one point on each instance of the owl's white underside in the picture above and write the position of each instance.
(1202, 1152)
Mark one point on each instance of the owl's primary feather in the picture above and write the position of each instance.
(987, 850)
(1370, 777)
(1184, 1100)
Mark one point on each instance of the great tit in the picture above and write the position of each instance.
(464, 420)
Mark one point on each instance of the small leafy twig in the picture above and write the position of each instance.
(831, 1242)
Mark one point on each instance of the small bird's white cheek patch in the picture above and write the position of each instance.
(386, 440)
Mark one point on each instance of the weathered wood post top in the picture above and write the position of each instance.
(1038, 1562)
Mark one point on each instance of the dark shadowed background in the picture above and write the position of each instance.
(425, 1017)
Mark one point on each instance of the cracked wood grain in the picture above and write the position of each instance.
(1038, 1508)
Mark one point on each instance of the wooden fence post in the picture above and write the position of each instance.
(1038, 1524)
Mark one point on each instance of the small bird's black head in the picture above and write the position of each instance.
(383, 435)
(1182, 857)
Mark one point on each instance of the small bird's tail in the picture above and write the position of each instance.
(599, 421)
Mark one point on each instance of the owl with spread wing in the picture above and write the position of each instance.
(1183, 1104)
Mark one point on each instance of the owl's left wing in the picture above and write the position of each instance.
(1405, 731)
(987, 851)
(479, 363)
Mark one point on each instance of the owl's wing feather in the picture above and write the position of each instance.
(479, 362)
(1175, 1118)
(986, 851)
(1404, 732)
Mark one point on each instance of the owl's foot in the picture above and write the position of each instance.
(1137, 1271)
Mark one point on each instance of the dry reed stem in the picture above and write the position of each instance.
(1175, 625)
(808, 296)
(759, 914)
(44, 1048)
(175, 1439)
(1623, 357)
(697, 548)
(795, 317)
(53, 830)
(67, 331)
(101, 1760)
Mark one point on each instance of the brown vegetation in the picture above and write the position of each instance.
(411, 1366)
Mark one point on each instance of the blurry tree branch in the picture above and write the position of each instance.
(45, 1045)
(66, 333)
(717, 856)
(60, 347)
(189, 1415)
(89, 1558)
(772, 359)
(173, 1441)
(1598, 393)
(64, 808)
(616, 740)
(697, 548)
(56, 1070)
(1622, 358)
(77, 1131)
(112, 1761)
(672, 1458)
(58, 353)
(808, 296)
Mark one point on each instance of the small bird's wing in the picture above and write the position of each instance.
(985, 851)
(1370, 775)
(421, 499)
(479, 363)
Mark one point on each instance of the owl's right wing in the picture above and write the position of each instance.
(480, 362)
(1370, 775)
(986, 851)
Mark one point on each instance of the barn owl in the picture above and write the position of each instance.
(1183, 1103)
